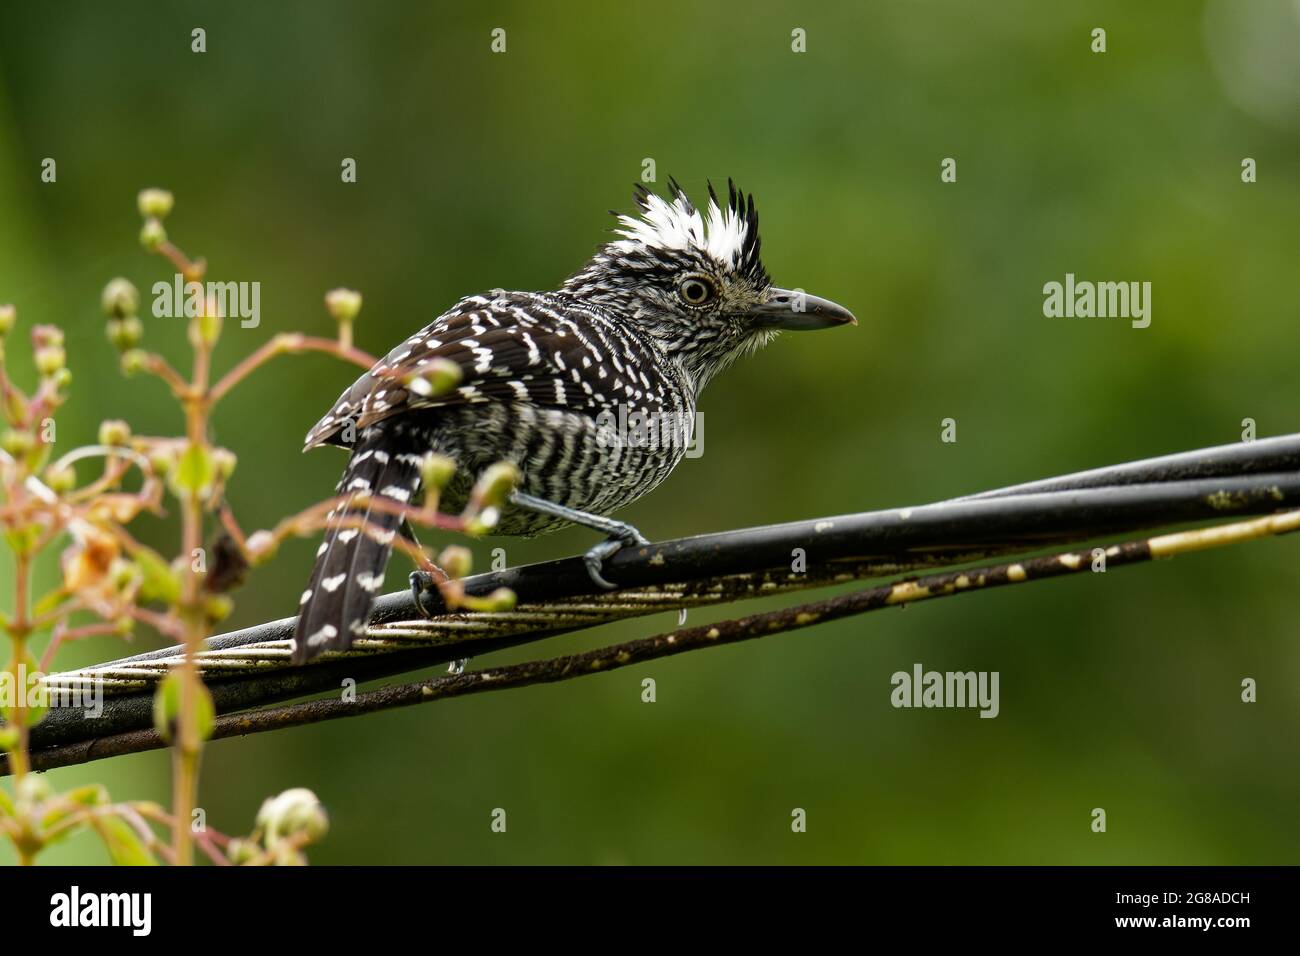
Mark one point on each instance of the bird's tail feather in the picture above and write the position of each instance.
(349, 571)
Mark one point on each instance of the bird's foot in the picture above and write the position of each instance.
(624, 536)
(421, 583)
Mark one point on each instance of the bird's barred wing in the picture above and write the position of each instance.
(512, 348)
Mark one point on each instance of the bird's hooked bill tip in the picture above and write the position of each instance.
(796, 310)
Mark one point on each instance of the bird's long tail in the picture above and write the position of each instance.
(349, 570)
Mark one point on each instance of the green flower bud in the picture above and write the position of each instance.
(47, 337)
(133, 361)
(205, 329)
(502, 599)
(120, 299)
(50, 360)
(240, 851)
(125, 333)
(162, 462)
(224, 460)
(436, 470)
(296, 811)
(155, 203)
(456, 560)
(61, 479)
(152, 234)
(17, 443)
(438, 378)
(482, 523)
(114, 433)
(495, 485)
(343, 304)
(217, 608)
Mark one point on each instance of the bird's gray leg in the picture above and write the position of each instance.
(621, 534)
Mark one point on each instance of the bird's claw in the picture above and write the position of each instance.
(595, 557)
(421, 581)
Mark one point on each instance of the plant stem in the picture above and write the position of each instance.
(19, 630)
(188, 746)
(287, 344)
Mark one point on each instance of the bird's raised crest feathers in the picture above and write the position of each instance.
(728, 232)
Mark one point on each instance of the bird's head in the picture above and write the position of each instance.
(695, 281)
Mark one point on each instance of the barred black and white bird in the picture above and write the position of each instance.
(634, 335)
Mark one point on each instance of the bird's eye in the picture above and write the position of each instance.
(695, 290)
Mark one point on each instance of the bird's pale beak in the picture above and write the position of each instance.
(797, 310)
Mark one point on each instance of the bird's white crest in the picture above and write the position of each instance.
(678, 225)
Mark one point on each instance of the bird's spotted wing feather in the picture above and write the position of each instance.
(509, 347)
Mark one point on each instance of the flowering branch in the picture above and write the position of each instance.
(111, 581)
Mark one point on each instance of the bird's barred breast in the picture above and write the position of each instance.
(564, 457)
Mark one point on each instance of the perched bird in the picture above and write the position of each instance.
(634, 335)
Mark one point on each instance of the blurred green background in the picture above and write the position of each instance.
(479, 170)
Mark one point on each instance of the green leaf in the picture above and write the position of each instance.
(167, 707)
(90, 795)
(205, 716)
(194, 472)
(6, 804)
(23, 539)
(58, 836)
(67, 805)
(49, 602)
(158, 582)
(57, 815)
(123, 843)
